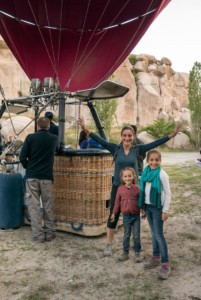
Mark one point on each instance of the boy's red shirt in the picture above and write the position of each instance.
(127, 200)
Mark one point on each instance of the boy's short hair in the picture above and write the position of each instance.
(43, 122)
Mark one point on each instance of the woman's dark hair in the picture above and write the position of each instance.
(127, 127)
(83, 136)
(134, 128)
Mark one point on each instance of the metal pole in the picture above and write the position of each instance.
(61, 121)
(35, 115)
(97, 120)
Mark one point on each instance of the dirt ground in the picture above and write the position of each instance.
(72, 267)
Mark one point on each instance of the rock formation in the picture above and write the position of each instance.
(180, 141)
(12, 78)
(156, 90)
(18, 123)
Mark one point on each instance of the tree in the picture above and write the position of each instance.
(106, 110)
(194, 92)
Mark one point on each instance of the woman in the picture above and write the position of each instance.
(125, 155)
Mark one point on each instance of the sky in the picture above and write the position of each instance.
(175, 34)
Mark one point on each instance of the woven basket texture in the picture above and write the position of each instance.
(82, 187)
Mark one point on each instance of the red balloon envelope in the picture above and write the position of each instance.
(79, 42)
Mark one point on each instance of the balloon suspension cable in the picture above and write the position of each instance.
(129, 43)
(35, 117)
(5, 101)
(77, 125)
(52, 46)
(43, 39)
(80, 64)
(79, 42)
(67, 85)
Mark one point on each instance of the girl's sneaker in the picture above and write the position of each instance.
(164, 272)
(153, 262)
(123, 257)
(137, 257)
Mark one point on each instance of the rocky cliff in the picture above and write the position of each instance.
(155, 88)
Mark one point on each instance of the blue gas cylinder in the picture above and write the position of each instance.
(11, 200)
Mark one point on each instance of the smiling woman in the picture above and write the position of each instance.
(124, 155)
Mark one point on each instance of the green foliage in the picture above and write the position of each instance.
(194, 92)
(106, 110)
(132, 59)
(160, 127)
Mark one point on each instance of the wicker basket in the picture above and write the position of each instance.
(82, 187)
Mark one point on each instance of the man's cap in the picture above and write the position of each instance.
(49, 114)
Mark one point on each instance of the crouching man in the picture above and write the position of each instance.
(37, 157)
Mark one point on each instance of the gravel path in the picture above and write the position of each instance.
(171, 158)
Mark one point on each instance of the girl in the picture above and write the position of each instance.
(127, 202)
(125, 155)
(155, 199)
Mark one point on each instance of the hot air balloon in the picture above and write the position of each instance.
(78, 43)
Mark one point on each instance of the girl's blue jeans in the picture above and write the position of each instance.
(131, 224)
(154, 218)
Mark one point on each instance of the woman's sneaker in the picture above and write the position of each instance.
(164, 272)
(153, 262)
(123, 257)
(107, 250)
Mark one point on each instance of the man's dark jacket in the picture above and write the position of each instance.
(37, 154)
(54, 129)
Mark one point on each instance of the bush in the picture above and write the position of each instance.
(132, 59)
(160, 127)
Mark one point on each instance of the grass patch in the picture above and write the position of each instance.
(143, 289)
(189, 236)
(43, 292)
(185, 189)
(196, 255)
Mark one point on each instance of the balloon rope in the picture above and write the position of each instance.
(5, 101)
(45, 45)
(77, 127)
(128, 45)
(96, 44)
(85, 49)
(82, 30)
(38, 114)
(59, 47)
(51, 39)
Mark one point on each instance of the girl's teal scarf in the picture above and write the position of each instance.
(152, 176)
